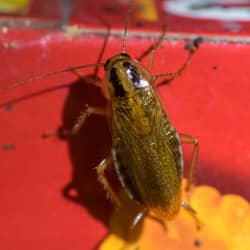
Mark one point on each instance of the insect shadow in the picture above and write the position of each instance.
(86, 149)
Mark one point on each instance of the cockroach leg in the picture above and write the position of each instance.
(192, 48)
(104, 181)
(84, 115)
(146, 213)
(65, 133)
(154, 47)
(171, 76)
(151, 50)
(193, 213)
(188, 139)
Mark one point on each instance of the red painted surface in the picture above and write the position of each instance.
(50, 198)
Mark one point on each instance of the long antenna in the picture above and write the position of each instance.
(125, 34)
(38, 77)
(104, 45)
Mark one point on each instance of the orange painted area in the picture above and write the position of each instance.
(147, 10)
(225, 218)
(14, 6)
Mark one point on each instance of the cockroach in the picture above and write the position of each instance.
(146, 149)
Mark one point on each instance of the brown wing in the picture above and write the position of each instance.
(149, 164)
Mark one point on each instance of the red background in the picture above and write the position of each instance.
(50, 197)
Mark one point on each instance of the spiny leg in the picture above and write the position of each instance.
(192, 48)
(64, 133)
(84, 115)
(104, 181)
(153, 48)
(188, 139)
(193, 213)
(157, 44)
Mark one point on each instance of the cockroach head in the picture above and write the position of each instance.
(112, 60)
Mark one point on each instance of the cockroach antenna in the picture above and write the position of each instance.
(38, 77)
(125, 34)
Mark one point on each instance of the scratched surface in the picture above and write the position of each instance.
(50, 198)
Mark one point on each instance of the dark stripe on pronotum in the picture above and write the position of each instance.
(114, 79)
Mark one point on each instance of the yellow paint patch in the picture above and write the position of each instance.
(14, 6)
(147, 10)
(226, 226)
